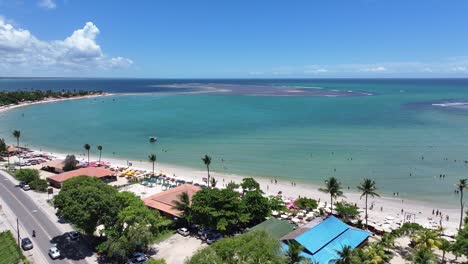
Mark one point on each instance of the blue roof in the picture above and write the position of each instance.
(322, 241)
(315, 238)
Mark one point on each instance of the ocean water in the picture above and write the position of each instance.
(404, 136)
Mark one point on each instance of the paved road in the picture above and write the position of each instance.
(31, 217)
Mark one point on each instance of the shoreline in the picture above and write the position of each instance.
(50, 100)
(391, 206)
(383, 206)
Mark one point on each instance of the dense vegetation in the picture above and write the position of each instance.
(9, 251)
(16, 97)
(228, 211)
(31, 177)
(128, 225)
(252, 247)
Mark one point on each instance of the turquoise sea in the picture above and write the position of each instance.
(405, 135)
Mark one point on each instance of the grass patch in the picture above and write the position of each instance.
(9, 251)
(163, 236)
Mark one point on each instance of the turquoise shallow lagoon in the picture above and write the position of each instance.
(395, 136)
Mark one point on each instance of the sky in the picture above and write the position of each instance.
(234, 39)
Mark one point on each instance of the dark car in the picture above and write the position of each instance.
(21, 184)
(138, 258)
(26, 243)
(73, 235)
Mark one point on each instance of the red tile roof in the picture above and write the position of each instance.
(88, 171)
(163, 201)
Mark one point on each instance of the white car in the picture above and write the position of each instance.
(26, 187)
(183, 231)
(54, 253)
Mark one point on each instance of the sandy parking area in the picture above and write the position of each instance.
(176, 249)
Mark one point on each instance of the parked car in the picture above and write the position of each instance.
(26, 187)
(21, 184)
(26, 243)
(213, 238)
(137, 258)
(54, 253)
(204, 232)
(73, 235)
(183, 231)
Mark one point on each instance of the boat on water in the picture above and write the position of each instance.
(153, 139)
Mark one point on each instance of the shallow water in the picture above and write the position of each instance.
(388, 136)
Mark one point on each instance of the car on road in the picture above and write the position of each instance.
(213, 238)
(26, 187)
(26, 243)
(73, 235)
(21, 184)
(183, 231)
(137, 258)
(54, 253)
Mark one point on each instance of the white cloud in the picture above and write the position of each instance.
(21, 51)
(375, 69)
(315, 69)
(47, 4)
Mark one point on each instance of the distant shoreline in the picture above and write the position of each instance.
(50, 100)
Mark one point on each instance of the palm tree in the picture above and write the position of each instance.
(184, 206)
(461, 185)
(444, 246)
(423, 256)
(333, 187)
(100, 152)
(345, 255)
(294, 250)
(427, 239)
(17, 135)
(152, 158)
(87, 147)
(367, 188)
(207, 161)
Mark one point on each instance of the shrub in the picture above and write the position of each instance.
(70, 163)
(306, 203)
(27, 175)
(39, 185)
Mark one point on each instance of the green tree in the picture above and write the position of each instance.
(27, 175)
(347, 210)
(294, 251)
(445, 246)
(232, 185)
(207, 161)
(184, 206)
(4, 150)
(368, 187)
(87, 147)
(256, 205)
(332, 187)
(344, 254)
(39, 185)
(423, 256)
(461, 185)
(249, 184)
(100, 153)
(87, 202)
(253, 247)
(152, 159)
(460, 246)
(276, 203)
(220, 209)
(306, 203)
(70, 163)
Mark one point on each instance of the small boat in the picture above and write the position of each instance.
(153, 139)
